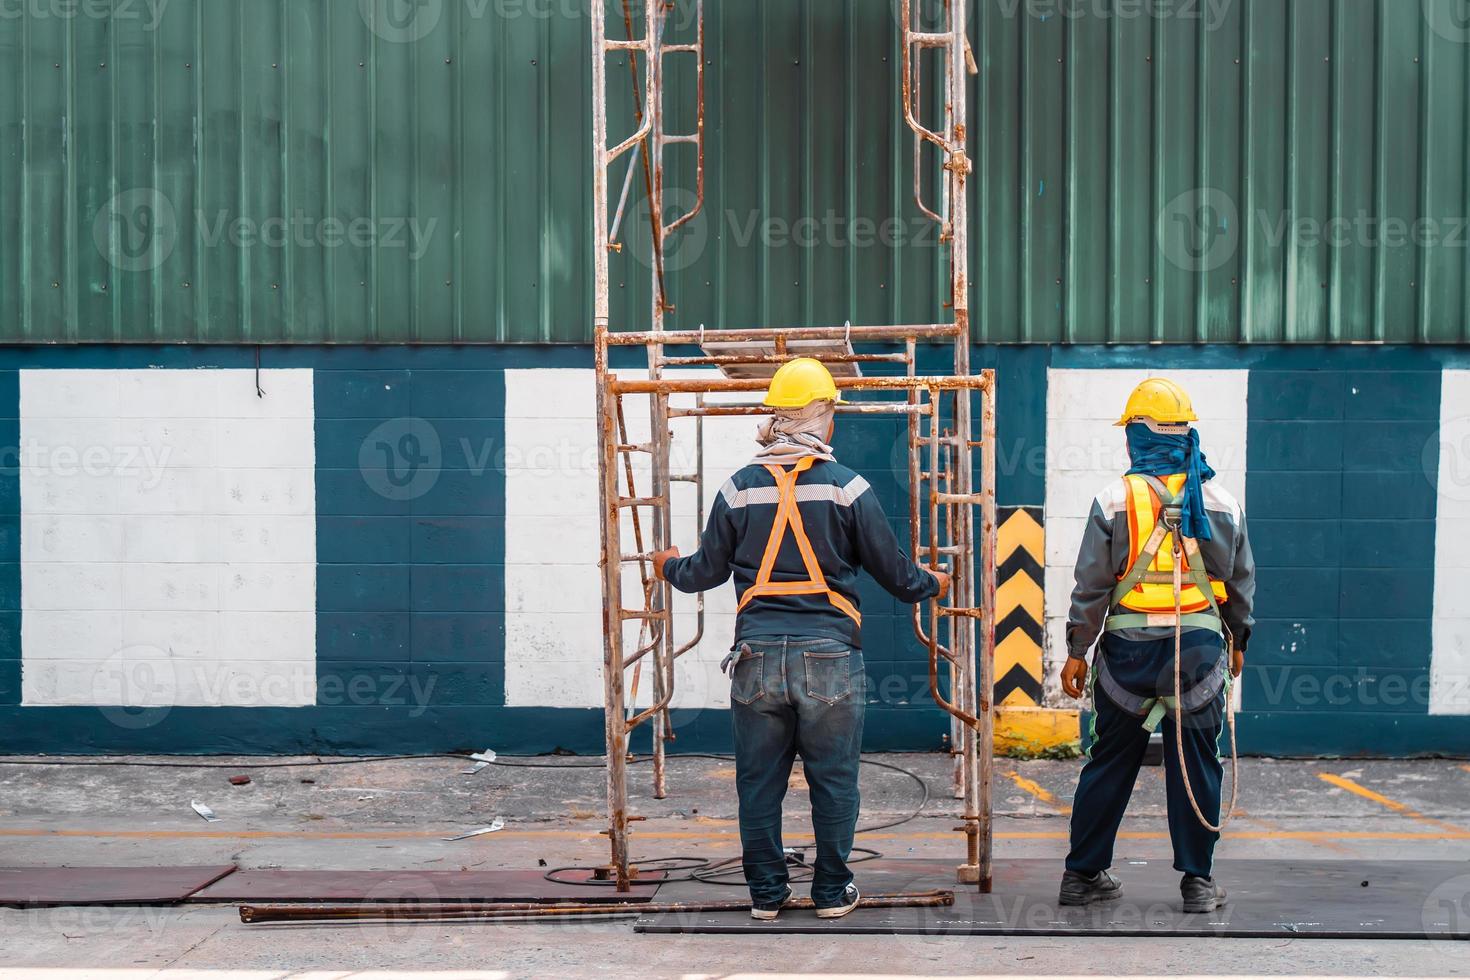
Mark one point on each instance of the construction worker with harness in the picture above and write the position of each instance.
(1165, 576)
(794, 528)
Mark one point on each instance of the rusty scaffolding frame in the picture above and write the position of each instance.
(940, 414)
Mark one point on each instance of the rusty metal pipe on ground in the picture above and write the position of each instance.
(261, 914)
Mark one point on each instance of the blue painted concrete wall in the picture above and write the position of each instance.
(411, 586)
(1343, 520)
(411, 592)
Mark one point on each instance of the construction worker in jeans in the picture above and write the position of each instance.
(1165, 576)
(794, 528)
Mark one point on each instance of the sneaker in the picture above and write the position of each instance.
(847, 903)
(1201, 894)
(1080, 889)
(767, 911)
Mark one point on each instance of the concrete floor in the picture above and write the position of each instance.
(392, 815)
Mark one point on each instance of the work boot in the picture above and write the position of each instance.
(1201, 894)
(767, 911)
(1080, 889)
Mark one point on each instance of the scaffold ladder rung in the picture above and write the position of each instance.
(640, 501)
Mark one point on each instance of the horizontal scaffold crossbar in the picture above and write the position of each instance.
(894, 382)
(919, 331)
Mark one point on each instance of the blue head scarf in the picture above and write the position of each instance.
(1163, 454)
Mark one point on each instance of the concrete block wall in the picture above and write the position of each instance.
(394, 549)
(1352, 471)
(411, 610)
(1450, 623)
(167, 537)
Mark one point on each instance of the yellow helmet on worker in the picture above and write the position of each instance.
(1161, 400)
(800, 382)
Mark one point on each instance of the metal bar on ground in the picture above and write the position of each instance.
(261, 914)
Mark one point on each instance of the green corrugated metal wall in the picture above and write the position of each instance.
(141, 140)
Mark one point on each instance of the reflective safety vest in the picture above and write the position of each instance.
(789, 515)
(1146, 589)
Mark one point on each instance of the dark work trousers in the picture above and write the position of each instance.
(1145, 669)
(792, 696)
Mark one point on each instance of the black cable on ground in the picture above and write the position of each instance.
(723, 872)
(726, 871)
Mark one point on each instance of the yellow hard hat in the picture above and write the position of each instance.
(1161, 400)
(800, 382)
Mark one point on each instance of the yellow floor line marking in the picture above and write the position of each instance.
(593, 835)
(1038, 791)
(1329, 844)
(1342, 782)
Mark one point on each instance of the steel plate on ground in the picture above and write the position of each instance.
(1268, 899)
(33, 887)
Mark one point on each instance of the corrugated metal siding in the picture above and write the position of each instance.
(1096, 127)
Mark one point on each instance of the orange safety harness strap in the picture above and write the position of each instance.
(788, 514)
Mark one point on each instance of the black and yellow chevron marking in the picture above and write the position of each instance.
(1021, 559)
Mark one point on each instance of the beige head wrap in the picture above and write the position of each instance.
(793, 434)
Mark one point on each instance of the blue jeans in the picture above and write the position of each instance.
(794, 696)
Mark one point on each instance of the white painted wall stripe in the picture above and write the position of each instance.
(1085, 451)
(1449, 667)
(168, 538)
(553, 592)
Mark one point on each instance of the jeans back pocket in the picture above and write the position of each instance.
(747, 676)
(828, 673)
